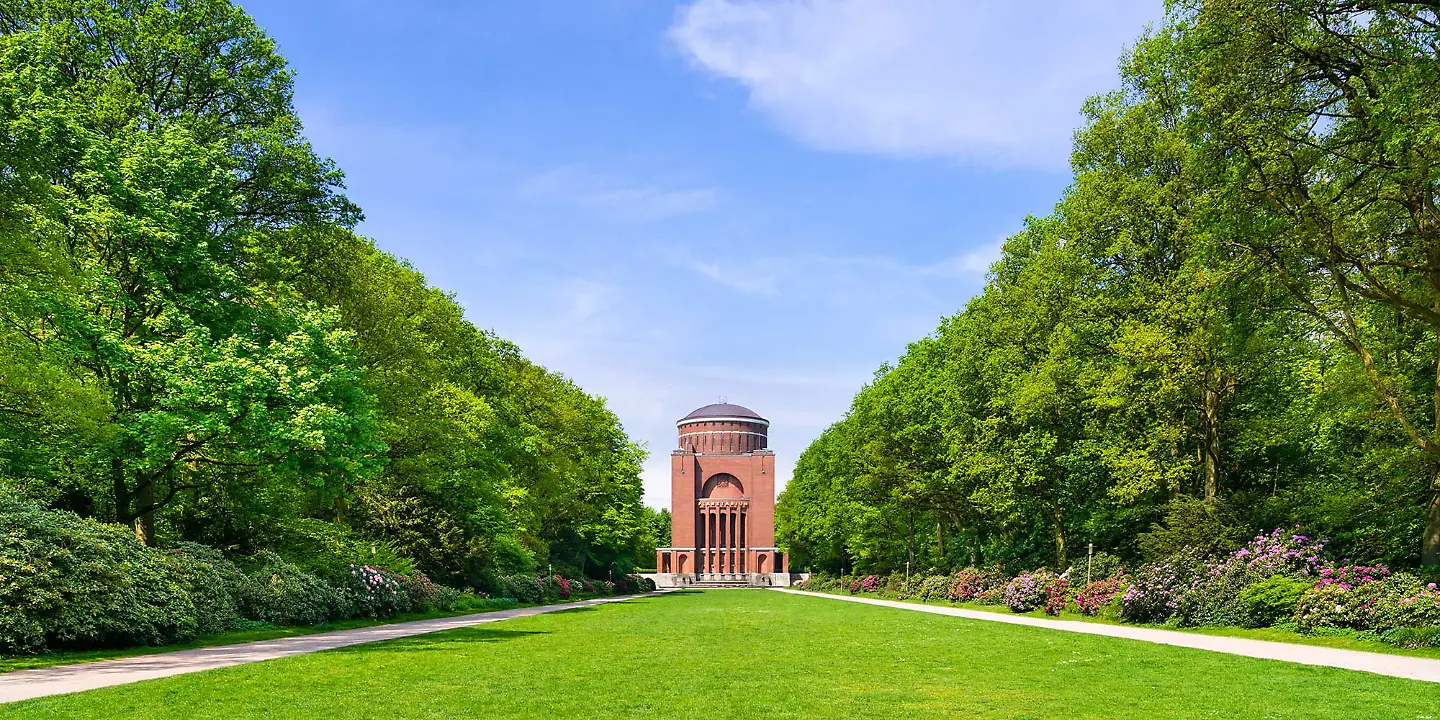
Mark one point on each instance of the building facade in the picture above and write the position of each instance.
(722, 496)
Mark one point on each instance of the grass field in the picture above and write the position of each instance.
(755, 654)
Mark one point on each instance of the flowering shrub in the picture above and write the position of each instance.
(869, 584)
(1029, 591)
(1349, 577)
(1400, 600)
(1155, 593)
(1057, 596)
(1280, 552)
(970, 583)
(369, 591)
(420, 592)
(1096, 595)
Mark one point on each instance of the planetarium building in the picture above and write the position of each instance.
(722, 494)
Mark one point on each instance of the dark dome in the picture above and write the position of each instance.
(722, 410)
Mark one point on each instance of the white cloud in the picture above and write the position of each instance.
(769, 275)
(994, 82)
(576, 185)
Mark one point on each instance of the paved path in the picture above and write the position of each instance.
(26, 684)
(1402, 666)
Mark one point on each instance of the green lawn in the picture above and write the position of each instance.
(755, 654)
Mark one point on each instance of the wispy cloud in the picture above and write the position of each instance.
(770, 275)
(994, 82)
(578, 186)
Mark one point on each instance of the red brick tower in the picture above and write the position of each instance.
(722, 497)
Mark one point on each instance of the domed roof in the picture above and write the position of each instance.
(722, 410)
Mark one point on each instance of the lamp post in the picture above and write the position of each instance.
(1089, 560)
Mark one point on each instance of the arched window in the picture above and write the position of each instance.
(723, 485)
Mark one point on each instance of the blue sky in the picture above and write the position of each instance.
(671, 202)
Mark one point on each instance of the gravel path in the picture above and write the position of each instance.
(26, 684)
(1402, 666)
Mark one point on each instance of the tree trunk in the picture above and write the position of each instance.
(940, 533)
(1059, 526)
(910, 538)
(1430, 543)
(1212, 434)
(145, 513)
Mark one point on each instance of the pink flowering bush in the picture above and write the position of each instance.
(372, 592)
(970, 583)
(1400, 600)
(1099, 593)
(1349, 577)
(1057, 596)
(869, 584)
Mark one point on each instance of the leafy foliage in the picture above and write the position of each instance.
(195, 344)
(1228, 322)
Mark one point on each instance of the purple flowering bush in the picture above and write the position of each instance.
(1157, 589)
(1029, 591)
(1397, 601)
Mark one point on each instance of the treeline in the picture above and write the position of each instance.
(194, 342)
(1230, 322)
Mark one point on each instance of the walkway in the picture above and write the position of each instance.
(26, 684)
(1402, 666)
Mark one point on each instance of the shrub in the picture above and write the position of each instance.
(1413, 637)
(1057, 596)
(367, 591)
(970, 583)
(935, 587)
(1103, 565)
(1349, 577)
(446, 598)
(213, 583)
(524, 588)
(1029, 591)
(891, 585)
(1155, 593)
(420, 593)
(67, 580)
(1271, 600)
(1400, 600)
(282, 593)
(1100, 593)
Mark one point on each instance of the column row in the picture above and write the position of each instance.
(722, 540)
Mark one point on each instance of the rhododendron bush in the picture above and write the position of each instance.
(1278, 578)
